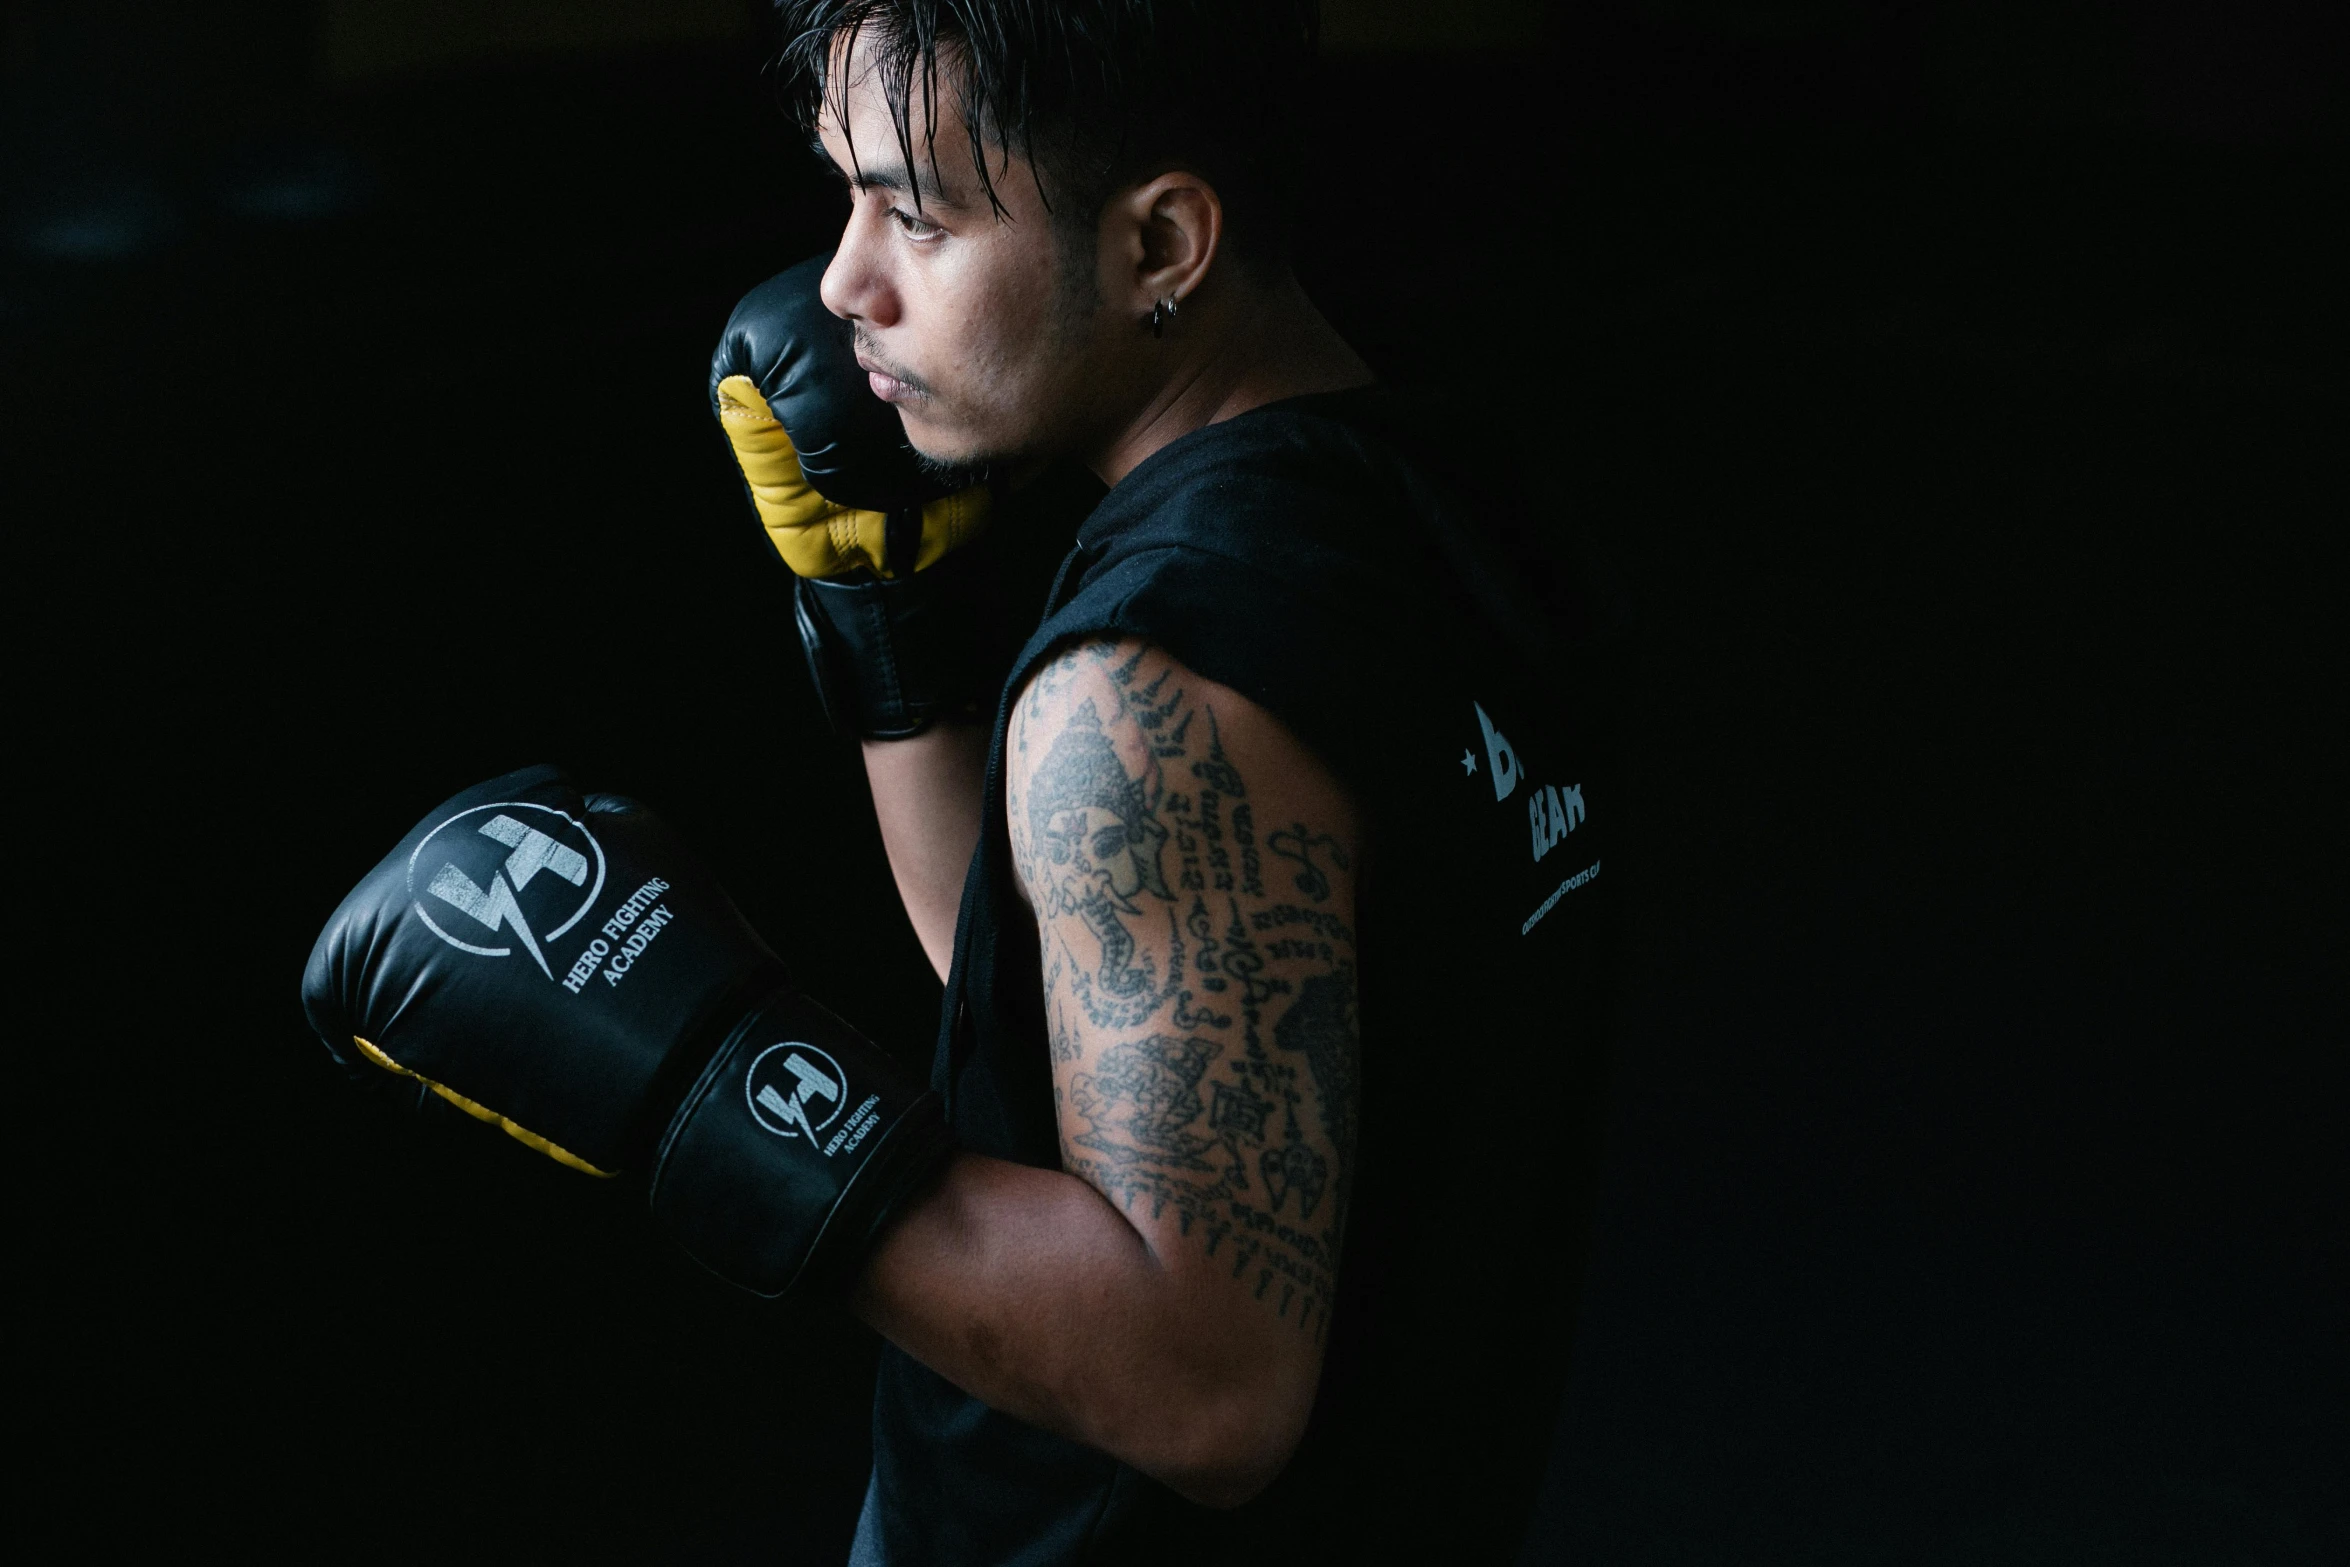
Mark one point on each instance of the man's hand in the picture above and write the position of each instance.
(825, 461)
(898, 608)
(561, 966)
(1164, 1297)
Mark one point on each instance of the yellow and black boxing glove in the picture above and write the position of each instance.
(898, 604)
(561, 965)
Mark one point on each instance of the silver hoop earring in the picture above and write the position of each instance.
(1162, 312)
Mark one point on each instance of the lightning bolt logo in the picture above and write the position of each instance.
(789, 1112)
(495, 907)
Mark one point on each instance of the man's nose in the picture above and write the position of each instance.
(855, 287)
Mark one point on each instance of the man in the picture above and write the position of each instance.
(1213, 846)
(1264, 880)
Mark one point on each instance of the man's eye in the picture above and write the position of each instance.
(1109, 841)
(914, 227)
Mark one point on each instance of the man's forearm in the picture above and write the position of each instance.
(926, 794)
(1027, 1289)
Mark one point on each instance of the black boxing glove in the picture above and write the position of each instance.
(563, 967)
(898, 604)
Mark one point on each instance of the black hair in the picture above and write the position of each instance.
(1094, 95)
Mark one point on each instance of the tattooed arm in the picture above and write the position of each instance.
(1164, 1295)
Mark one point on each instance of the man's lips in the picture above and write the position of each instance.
(889, 388)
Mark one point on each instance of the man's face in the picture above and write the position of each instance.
(982, 329)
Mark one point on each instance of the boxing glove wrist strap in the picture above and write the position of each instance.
(892, 656)
(792, 1150)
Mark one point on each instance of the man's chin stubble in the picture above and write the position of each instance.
(977, 465)
(957, 470)
(956, 473)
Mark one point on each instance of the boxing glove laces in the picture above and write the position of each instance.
(897, 605)
(562, 966)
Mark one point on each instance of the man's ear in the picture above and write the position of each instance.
(1175, 226)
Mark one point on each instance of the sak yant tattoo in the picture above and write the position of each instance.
(1204, 1026)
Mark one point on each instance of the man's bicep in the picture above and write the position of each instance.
(1192, 869)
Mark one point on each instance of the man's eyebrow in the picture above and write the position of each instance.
(884, 176)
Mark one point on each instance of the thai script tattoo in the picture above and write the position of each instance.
(1200, 974)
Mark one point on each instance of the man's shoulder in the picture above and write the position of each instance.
(1291, 463)
(1297, 503)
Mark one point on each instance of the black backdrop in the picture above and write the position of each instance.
(1977, 1185)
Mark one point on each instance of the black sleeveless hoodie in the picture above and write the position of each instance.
(1346, 561)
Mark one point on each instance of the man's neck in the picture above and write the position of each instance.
(1253, 347)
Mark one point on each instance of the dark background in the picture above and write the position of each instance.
(1954, 390)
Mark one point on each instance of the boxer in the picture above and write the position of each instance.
(1239, 1218)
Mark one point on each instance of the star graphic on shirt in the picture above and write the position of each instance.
(1468, 761)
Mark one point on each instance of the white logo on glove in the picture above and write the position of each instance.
(481, 862)
(796, 1090)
